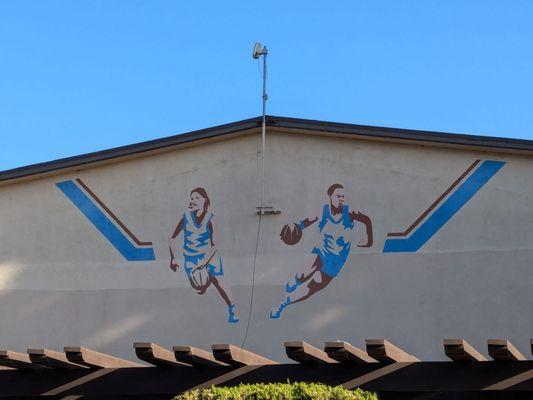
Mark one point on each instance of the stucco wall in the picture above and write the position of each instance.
(63, 283)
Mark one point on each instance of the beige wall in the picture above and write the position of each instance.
(62, 283)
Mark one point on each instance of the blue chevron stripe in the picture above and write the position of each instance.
(104, 225)
(446, 210)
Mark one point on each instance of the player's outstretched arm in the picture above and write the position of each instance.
(364, 219)
(304, 223)
(172, 245)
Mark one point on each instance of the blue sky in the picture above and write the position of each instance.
(80, 76)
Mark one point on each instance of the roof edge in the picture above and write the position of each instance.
(428, 137)
(451, 139)
(128, 150)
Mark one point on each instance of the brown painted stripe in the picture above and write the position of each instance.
(112, 215)
(436, 202)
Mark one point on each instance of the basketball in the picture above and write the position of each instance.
(200, 279)
(291, 236)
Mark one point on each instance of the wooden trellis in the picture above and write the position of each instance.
(382, 367)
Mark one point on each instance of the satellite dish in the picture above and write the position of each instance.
(258, 50)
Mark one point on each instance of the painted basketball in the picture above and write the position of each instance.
(200, 279)
(291, 236)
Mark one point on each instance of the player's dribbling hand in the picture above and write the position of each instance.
(174, 265)
(362, 243)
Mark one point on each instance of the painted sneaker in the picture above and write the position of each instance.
(276, 313)
(233, 318)
(289, 288)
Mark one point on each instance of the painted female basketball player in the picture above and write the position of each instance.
(201, 261)
(335, 223)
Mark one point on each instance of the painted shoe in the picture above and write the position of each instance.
(276, 313)
(289, 288)
(233, 318)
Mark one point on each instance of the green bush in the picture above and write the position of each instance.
(280, 391)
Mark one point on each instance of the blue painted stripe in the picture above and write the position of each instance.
(446, 211)
(104, 225)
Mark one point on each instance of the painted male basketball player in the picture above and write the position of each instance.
(335, 223)
(202, 263)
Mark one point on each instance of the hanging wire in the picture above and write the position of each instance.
(253, 282)
(263, 77)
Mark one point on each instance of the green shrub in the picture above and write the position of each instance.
(280, 391)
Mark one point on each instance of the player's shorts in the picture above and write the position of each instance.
(192, 261)
(331, 263)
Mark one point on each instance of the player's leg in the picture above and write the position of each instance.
(312, 264)
(302, 291)
(219, 282)
(318, 282)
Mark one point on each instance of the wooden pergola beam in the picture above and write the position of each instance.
(195, 356)
(156, 355)
(503, 350)
(384, 351)
(52, 358)
(13, 359)
(460, 350)
(406, 380)
(304, 353)
(233, 355)
(94, 359)
(344, 352)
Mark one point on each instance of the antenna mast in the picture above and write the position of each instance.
(260, 50)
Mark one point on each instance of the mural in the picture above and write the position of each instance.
(201, 261)
(193, 242)
(335, 225)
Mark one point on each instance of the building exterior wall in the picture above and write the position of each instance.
(63, 282)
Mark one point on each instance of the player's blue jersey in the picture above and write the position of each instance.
(197, 243)
(336, 242)
(197, 237)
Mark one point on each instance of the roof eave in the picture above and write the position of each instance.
(485, 143)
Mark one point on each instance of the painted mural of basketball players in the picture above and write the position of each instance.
(201, 259)
(335, 223)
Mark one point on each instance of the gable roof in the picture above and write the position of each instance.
(497, 144)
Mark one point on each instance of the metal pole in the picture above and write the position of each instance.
(263, 131)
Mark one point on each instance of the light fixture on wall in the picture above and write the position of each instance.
(259, 50)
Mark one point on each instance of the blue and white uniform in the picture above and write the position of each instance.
(336, 242)
(197, 243)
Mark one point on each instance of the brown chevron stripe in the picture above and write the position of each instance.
(112, 215)
(436, 202)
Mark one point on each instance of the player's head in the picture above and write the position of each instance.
(336, 195)
(199, 200)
